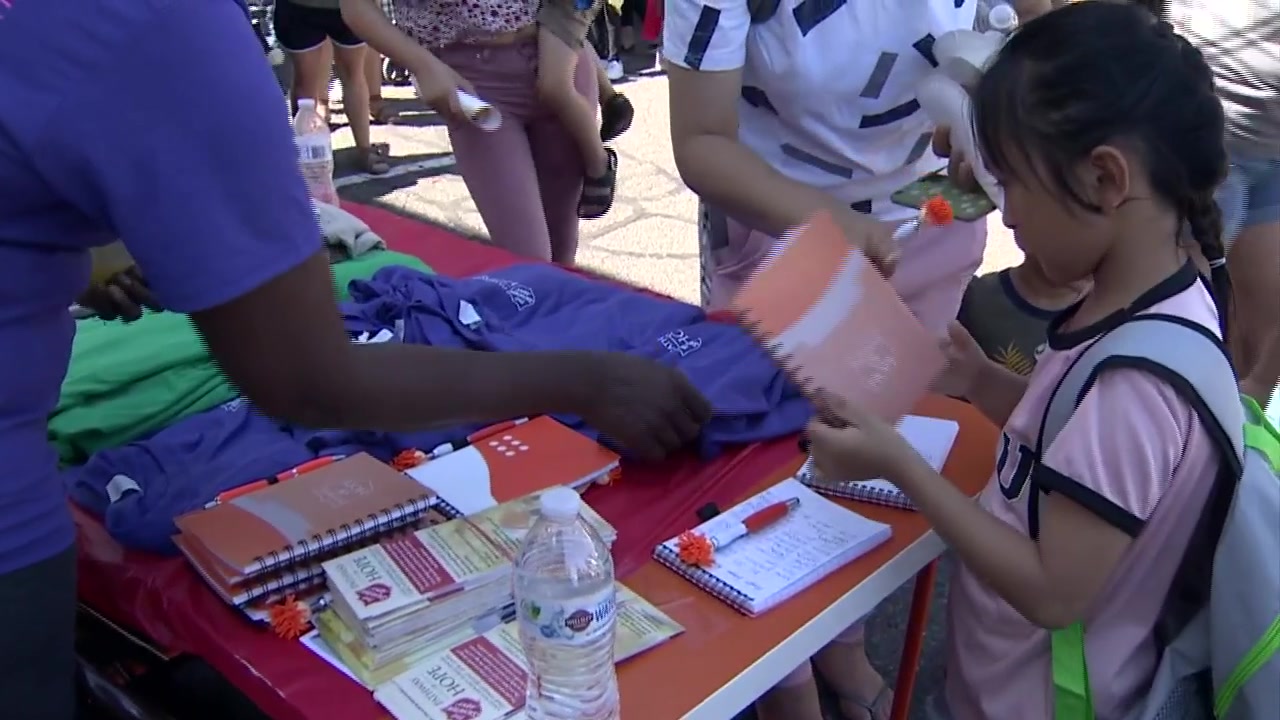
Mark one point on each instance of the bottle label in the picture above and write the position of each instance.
(312, 150)
(576, 622)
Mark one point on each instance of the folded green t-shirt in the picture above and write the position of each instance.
(127, 380)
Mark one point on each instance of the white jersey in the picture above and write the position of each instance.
(828, 96)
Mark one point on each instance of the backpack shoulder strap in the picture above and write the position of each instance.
(1178, 351)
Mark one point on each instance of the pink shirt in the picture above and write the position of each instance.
(436, 23)
(1135, 454)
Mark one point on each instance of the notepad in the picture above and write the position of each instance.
(300, 519)
(836, 325)
(931, 437)
(760, 571)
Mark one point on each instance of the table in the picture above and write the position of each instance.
(164, 600)
(724, 660)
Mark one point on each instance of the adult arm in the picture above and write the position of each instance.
(704, 81)
(1100, 481)
(212, 206)
(370, 24)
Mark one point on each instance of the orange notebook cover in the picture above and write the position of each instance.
(298, 519)
(515, 463)
(831, 319)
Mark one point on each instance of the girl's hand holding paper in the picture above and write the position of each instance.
(851, 443)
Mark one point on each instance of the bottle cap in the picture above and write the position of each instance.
(560, 503)
(1002, 17)
(306, 102)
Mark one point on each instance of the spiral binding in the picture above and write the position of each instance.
(287, 583)
(782, 359)
(704, 580)
(376, 523)
(853, 490)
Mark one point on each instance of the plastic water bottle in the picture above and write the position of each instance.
(315, 152)
(566, 609)
(996, 15)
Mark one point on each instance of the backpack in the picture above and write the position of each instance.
(1219, 628)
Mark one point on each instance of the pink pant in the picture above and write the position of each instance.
(526, 176)
(933, 270)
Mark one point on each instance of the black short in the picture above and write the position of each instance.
(300, 28)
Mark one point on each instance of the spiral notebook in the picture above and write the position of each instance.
(762, 570)
(295, 578)
(300, 519)
(931, 437)
(836, 325)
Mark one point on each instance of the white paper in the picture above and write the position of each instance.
(775, 560)
(931, 437)
(482, 114)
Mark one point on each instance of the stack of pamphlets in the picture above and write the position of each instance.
(424, 588)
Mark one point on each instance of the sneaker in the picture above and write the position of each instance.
(614, 70)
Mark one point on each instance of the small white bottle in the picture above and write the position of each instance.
(315, 152)
(996, 16)
(566, 606)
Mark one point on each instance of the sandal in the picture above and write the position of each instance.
(375, 161)
(616, 114)
(598, 192)
(380, 113)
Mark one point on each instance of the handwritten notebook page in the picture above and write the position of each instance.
(776, 563)
(827, 314)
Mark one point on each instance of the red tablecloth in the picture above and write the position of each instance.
(164, 599)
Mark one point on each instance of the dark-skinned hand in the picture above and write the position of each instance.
(647, 408)
(122, 296)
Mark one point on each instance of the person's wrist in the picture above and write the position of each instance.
(907, 468)
(575, 380)
(978, 372)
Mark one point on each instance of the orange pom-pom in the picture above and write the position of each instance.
(937, 211)
(290, 619)
(408, 459)
(695, 549)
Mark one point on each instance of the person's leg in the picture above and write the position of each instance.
(794, 698)
(379, 111)
(37, 657)
(305, 42)
(324, 79)
(355, 103)
(498, 167)
(1254, 264)
(632, 10)
(557, 62)
(845, 667)
(559, 169)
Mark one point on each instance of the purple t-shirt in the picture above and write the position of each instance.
(153, 121)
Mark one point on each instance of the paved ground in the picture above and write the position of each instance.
(650, 239)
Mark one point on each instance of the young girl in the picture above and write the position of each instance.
(1104, 129)
(562, 28)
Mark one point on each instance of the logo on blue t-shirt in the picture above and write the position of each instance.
(678, 341)
(522, 296)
